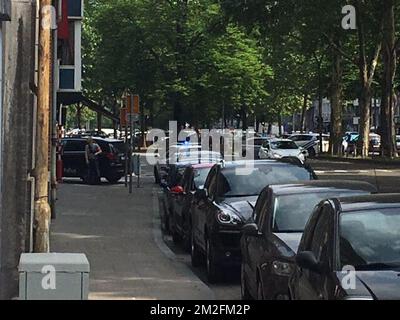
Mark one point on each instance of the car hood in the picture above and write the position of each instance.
(240, 207)
(288, 243)
(381, 285)
(287, 152)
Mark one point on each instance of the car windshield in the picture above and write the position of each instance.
(250, 183)
(370, 240)
(291, 212)
(200, 176)
(283, 145)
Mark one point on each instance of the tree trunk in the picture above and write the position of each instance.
(303, 114)
(243, 116)
(387, 127)
(79, 116)
(336, 100)
(367, 72)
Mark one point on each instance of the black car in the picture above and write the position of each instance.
(171, 186)
(350, 250)
(193, 179)
(269, 244)
(112, 163)
(225, 204)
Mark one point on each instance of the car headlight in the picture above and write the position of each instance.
(225, 218)
(282, 268)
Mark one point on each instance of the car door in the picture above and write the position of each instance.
(315, 285)
(74, 158)
(253, 244)
(180, 201)
(206, 209)
(199, 205)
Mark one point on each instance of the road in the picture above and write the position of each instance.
(130, 257)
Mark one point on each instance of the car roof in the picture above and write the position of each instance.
(319, 186)
(242, 163)
(370, 202)
(203, 166)
(94, 138)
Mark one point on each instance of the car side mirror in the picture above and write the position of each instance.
(251, 230)
(307, 260)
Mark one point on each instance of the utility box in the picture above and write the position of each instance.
(53, 276)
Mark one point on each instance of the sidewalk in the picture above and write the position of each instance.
(120, 235)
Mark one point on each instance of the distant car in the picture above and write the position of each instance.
(310, 142)
(194, 178)
(255, 145)
(95, 133)
(226, 203)
(112, 160)
(398, 143)
(281, 148)
(269, 244)
(359, 235)
(190, 154)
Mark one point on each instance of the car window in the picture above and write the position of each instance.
(75, 146)
(370, 239)
(258, 177)
(200, 176)
(292, 212)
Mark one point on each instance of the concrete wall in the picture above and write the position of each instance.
(17, 124)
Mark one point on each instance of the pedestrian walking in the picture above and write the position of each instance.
(92, 153)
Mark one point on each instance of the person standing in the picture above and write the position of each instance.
(92, 153)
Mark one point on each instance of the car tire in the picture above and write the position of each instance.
(195, 253)
(245, 295)
(113, 179)
(212, 267)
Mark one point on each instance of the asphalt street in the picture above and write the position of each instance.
(131, 259)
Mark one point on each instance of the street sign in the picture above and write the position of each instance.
(123, 117)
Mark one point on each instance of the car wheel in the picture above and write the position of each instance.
(243, 285)
(212, 268)
(195, 253)
(260, 293)
(114, 179)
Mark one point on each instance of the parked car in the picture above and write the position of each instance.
(170, 185)
(226, 203)
(269, 244)
(360, 234)
(194, 178)
(398, 142)
(281, 148)
(112, 160)
(183, 154)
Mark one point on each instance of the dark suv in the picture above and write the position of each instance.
(111, 160)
